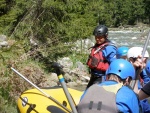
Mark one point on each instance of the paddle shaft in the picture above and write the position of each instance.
(54, 100)
(62, 81)
(143, 53)
(145, 45)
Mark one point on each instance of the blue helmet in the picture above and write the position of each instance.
(122, 51)
(147, 68)
(121, 68)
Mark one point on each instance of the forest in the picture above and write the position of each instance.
(53, 22)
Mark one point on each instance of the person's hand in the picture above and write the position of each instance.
(140, 63)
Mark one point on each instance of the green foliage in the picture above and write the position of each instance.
(57, 24)
(62, 17)
(7, 104)
(11, 15)
(79, 57)
(147, 11)
(5, 107)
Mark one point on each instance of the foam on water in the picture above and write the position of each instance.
(128, 38)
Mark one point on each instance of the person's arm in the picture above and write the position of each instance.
(135, 84)
(139, 66)
(142, 95)
(144, 92)
(109, 52)
(145, 78)
(127, 101)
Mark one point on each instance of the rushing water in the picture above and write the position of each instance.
(129, 38)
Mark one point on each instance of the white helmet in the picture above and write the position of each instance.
(135, 52)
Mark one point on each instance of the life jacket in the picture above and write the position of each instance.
(96, 59)
(99, 99)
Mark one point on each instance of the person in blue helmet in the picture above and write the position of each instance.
(113, 95)
(144, 92)
(122, 52)
(102, 54)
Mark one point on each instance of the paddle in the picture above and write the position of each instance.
(58, 69)
(48, 96)
(138, 70)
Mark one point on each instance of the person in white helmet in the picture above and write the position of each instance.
(134, 56)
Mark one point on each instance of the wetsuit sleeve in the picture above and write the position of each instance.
(109, 52)
(146, 89)
(145, 77)
(127, 101)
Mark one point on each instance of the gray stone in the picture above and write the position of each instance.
(3, 38)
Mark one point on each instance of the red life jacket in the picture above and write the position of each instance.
(96, 59)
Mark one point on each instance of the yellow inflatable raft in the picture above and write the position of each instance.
(33, 101)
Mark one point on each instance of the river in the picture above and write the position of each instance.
(129, 38)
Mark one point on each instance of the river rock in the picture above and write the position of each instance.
(3, 38)
(3, 44)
